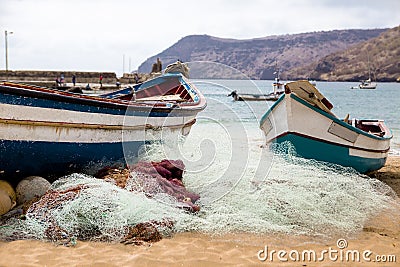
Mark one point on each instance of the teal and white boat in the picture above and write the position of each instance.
(303, 117)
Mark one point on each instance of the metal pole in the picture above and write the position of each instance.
(123, 64)
(5, 33)
(6, 40)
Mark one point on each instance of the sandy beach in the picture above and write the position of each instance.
(379, 240)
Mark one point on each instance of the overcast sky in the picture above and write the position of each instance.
(93, 35)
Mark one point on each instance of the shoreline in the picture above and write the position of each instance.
(48, 77)
(380, 235)
(390, 173)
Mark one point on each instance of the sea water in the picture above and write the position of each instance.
(244, 186)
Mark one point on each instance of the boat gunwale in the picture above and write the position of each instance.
(276, 103)
(56, 95)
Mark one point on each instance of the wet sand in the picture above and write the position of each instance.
(390, 173)
(381, 236)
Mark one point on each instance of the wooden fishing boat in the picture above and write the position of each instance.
(367, 84)
(48, 132)
(303, 117)
(277, 87)
(255, 97)
(277, 91)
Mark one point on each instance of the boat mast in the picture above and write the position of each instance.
(369, 68)
(276, 83)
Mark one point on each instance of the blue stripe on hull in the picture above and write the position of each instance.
(314, 149)
(46, 103)
(19, 159)
(127, 110)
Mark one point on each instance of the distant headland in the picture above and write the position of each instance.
(339, 55)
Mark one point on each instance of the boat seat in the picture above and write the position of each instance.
(176, 98)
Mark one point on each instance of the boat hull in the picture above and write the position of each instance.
(311, 148)
(367, 86)
(54, 159)
(255, 97)
(51, 133)
(52, 147)
(316, 134)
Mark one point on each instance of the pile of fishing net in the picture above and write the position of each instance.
(133, 205)
(294, 196)
(154, 178)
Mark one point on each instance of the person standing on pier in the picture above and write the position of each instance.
(101, 80)
(62, 79)
(159, 65)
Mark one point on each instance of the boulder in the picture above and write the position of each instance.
(30, 187)
(5, 202)
(6, 186)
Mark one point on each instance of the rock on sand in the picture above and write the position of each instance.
(30, 187)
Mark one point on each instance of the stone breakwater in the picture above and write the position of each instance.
(48, 78)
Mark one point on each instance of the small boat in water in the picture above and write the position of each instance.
(48, 132)
(273, 96)
(313, 82)
(368, 84)
(277, 91)
(254, 97)
(303, 117)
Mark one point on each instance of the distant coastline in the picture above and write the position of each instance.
(47, 78)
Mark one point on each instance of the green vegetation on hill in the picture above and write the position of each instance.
(383, 53)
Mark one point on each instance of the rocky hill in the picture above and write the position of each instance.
(382, 53)
(256, 58)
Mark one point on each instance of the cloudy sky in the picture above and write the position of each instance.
(97, 35)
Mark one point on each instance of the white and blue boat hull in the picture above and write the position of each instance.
(50, 133)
